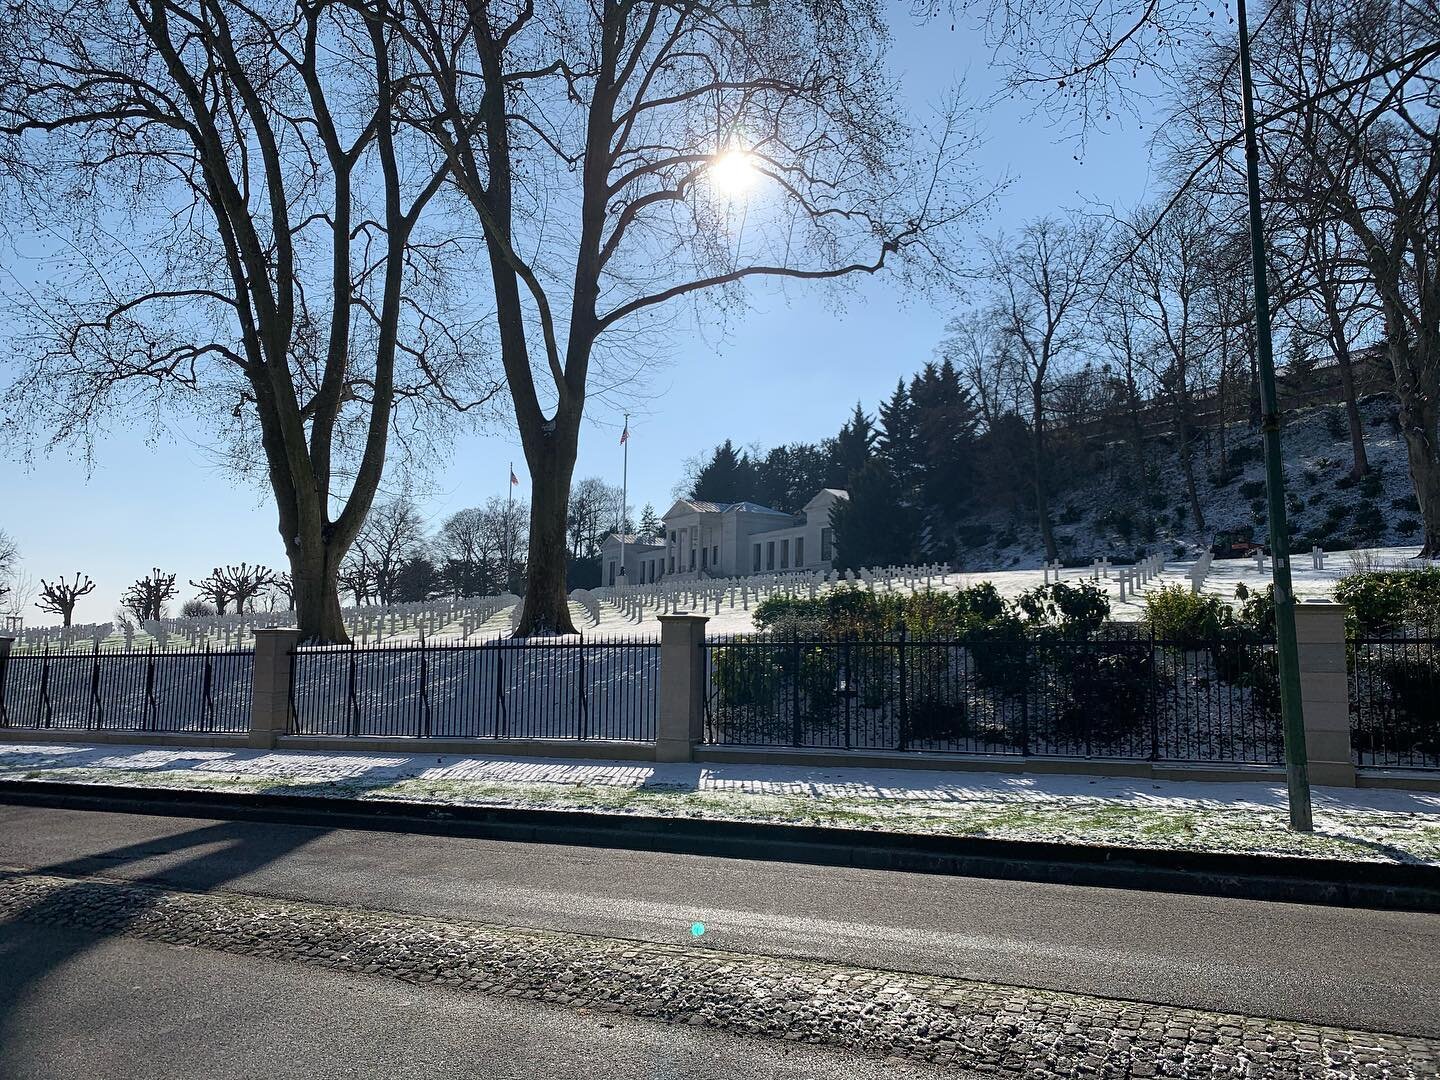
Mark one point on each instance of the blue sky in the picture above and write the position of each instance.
(789, 369)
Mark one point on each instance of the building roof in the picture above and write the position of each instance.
(631, 540)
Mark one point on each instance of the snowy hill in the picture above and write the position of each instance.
(1105, 509)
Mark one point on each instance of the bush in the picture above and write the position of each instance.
(195, 609)
(1413, 682)
(1174, 613)
(1369, 522)
(1253, 489)
(1336, 425)
(1407, 502)
(1107, 695)
(1075, 611)
(1407, 526)
(1371, 486)
(1389, 599)
(1244, 454)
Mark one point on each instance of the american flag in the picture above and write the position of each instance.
(625, 435)
(514, 480)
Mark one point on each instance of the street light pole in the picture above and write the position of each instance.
(1297, 766)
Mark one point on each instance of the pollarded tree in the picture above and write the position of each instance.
(59, 597)
(147, 597)
(276, 274)
(620, 155)
(235, 586)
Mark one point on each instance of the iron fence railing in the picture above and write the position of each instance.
(1395, 701)
(508, 688)
(196, 692)
(1132, 697)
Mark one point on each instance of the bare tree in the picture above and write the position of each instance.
(9, 564)
(981, 352)
(274, 273)
(1045, 278)
(602, 148)
(59, 597)
(393, 534)
(235, 585)
(147, 597)
(1166, 278)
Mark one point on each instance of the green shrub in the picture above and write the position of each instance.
(1407, 502)
(1369, 522)
(1174, 613)
(1387, 599)
(1413, 682)
(1073, 610)
(1244, 454)
(1371, 486)
(1253, 489)
(1407, 526)
(1335, 425)
(1107, 696)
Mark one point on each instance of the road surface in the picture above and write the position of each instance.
(1374, 970)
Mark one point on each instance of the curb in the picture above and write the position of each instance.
(1293, 879)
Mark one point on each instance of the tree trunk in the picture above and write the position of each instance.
(546, 607)
(315, 572)
(1360, 464)
(1042, 494)
(1417, 388)
(1187, 465)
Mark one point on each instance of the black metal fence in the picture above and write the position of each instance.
(1395, 701)
(1126, 698)
(194, 692)
(520, 689)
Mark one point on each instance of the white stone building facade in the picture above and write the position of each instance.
(717, 540)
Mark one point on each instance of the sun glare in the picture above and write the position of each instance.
(732, 172)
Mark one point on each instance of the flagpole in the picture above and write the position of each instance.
(624, 494)
(509, 521)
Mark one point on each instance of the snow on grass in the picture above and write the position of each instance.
(1370, 825)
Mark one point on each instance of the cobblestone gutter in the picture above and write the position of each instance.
(975, 1025)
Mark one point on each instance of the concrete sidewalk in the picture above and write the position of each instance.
(1383, 825)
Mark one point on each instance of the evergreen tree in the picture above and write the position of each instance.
(729, 476)
(897, 442)
(650, 525)
(946, 421)
(852, 448)
(875, 526)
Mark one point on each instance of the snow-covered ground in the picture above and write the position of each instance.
(1361, 824)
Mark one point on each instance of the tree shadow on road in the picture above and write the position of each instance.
(231, 850)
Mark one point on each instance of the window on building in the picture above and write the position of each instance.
(692, 558)
(612, 573)
(770, 555)
(704, 558)
(784, 554)
(672, 564)
(715, 555)
(827, 544)
(756, 551)
(799, 551)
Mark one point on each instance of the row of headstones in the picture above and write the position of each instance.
(1130, 579)
(708, 595)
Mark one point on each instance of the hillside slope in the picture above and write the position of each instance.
(1106, 510)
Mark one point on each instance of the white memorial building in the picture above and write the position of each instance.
(705, 539)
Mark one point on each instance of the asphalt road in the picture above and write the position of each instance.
(122, 1009)
(1376, 970)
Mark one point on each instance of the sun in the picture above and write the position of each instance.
(733, 172)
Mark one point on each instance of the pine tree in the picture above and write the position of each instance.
(874, 527)
(649, 524)
(897, 443)
(851, 448)
(727, 477)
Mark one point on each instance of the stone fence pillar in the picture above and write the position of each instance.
(270, 686)
(6, 643)
(682, 686)
(1325, 691)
